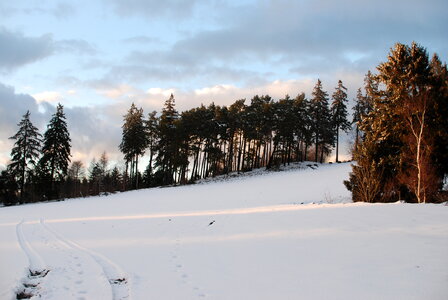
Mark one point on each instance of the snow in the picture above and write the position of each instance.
(268, 235)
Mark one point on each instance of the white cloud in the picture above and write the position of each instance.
(160, 91)
(48, 96)
(217, 89)
(118, 91)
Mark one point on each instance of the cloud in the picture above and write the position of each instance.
(161, 92)
(306, 36)
(17, 50)
(153, 8)
(119, 91)
(63, 10)
(254, 43)
(92, 132)
(214, 90)
(48, 96)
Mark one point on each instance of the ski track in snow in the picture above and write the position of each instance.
(115, 275)
(67, 270)
(37, 268)
(36, 263)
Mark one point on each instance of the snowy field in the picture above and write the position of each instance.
(278, 235)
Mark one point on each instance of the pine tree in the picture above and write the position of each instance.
(339, 113)
(357, 115)
(25, 151)
(321, 121)
(56, 148)
(151, 125)
(134, 141)
(168, 143)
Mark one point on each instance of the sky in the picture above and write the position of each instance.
(96, 57)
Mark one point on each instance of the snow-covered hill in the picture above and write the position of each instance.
(278, 235)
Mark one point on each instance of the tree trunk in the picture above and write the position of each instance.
(337, 144)
(136, 172)
(322, 154)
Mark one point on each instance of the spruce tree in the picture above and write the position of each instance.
(56, 148)
(339, 113)
(25, 152)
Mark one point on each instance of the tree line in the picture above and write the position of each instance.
(213, 140)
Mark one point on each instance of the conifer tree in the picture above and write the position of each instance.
(95, 174)
(401, 129)
(56, 148)
(25, 152)
(134, 141)
(357, 115)
(168, 144)
(116, 179)
(151, 125)
(8, 188)
(321, 121)
(405, 76)
(439, 115)
(339, 113)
